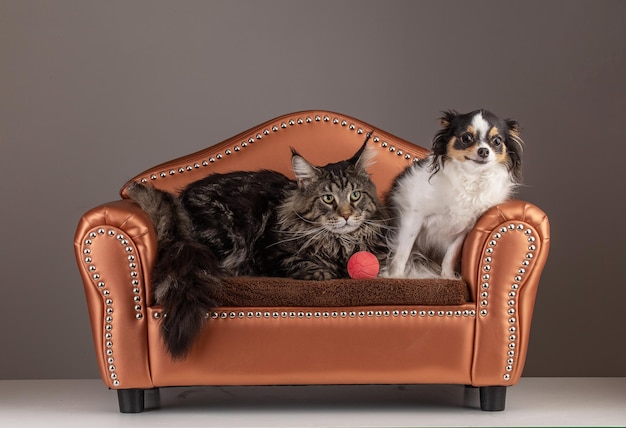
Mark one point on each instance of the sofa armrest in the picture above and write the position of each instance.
(502, 260)
(115, 247)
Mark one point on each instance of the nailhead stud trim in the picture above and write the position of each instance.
(511, 303)
(395, 313)
(100, 283)
(267, 132)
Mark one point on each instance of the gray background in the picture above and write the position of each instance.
(92, 93)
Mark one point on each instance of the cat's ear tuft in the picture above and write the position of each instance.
(365, 157)
(305, 172)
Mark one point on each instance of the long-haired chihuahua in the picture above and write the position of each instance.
(475, 164)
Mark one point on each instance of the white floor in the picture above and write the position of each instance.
(532, 402)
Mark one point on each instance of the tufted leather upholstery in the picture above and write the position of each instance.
(480, 343)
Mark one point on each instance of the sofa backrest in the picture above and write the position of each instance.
(321, 137)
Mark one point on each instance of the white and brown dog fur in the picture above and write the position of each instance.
(475, 164)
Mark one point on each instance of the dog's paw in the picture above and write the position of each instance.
(448, 274)
(393, 270)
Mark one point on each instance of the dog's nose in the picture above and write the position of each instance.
(483, 152)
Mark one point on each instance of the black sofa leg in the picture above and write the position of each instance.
(130, 400)
(492, 398)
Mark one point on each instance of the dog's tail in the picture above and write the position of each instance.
(186, 275)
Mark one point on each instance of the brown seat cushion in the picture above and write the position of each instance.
(268, 292)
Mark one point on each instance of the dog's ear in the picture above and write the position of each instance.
(441, 140)
(514, 131)
(515, 147)
(447, 117)
(442, 137)
(514, 127)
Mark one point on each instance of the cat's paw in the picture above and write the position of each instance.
(140, 193)
(135, 188)
(319, 275)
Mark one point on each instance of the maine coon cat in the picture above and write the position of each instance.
(257, 223)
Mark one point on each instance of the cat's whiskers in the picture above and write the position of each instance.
(376, 228)
(306, 220)
(297, 234)
(383, 223)
(320, 235)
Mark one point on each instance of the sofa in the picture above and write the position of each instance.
(473, 331)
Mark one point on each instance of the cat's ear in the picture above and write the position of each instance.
(305, 172)
(365, 157)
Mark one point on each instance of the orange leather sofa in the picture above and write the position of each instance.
(482, 342)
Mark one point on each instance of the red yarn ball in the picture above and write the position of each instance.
(363, 265)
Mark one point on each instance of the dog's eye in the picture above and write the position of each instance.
(467, 138)
(497, 140)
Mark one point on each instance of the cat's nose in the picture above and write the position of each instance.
(345, 212)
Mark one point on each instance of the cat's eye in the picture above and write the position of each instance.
(328, 199)
(355, 196)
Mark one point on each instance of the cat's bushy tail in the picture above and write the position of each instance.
(185, 278)
(186, 273)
